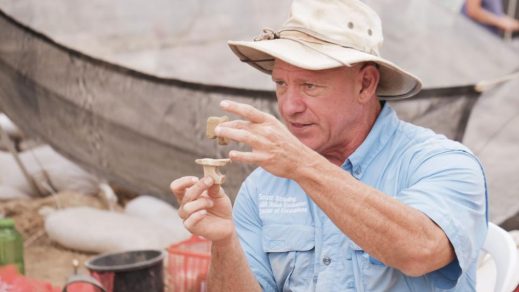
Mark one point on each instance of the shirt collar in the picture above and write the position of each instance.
(384, 127)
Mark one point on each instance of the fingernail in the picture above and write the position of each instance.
(217, 130)
(224, 103)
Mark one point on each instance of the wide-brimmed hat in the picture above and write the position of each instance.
(328, 34)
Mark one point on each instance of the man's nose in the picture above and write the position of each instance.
(293, 102)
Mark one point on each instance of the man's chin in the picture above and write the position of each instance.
(310, 143)
(308, 138)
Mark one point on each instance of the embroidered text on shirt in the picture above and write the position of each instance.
(269, 204)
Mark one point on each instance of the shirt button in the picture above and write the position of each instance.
(315, 278)
(351, 285)
(327, 261)
(358, 171)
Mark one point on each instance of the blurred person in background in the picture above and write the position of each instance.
(490, 14)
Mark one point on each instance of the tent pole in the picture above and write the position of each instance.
(4, 138)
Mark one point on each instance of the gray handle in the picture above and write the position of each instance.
(85, 279)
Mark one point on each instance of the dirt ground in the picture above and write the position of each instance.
(44, 259)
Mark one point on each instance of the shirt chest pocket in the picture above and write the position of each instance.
(291, 250)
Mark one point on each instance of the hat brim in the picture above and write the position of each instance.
(395, 83)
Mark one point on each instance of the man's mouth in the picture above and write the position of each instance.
(299, 125)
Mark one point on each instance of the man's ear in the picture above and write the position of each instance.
(369, 77)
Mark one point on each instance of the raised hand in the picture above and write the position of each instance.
(274, 148)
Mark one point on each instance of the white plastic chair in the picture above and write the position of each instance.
(501, 247)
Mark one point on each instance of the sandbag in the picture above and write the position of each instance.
(9, 127)
(92, 230)
(160, 213)
(41, 162)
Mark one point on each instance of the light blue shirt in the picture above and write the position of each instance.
(291, 245)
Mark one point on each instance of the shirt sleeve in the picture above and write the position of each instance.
(249, 229)
(450, 189)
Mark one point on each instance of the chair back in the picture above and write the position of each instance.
(500, 245)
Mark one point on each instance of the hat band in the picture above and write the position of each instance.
(300, 34)
(295, 35)
(301, 38)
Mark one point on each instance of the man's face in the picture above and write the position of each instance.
(319, 107)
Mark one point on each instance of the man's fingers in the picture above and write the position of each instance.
(248, 157)
(197, 189)
(179, 186)
(242, 136)
(201, 203)
(194, 219)
(236, 124)
(215, 191)
(244, 110)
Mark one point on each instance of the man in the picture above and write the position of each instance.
(346, 197)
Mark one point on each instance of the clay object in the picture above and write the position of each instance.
(212, 122)
(211, 168)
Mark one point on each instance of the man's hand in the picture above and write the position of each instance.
(274, 148)
(204, 207)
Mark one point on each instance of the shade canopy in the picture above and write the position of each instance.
(124, 87)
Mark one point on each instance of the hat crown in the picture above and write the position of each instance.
(348, 23)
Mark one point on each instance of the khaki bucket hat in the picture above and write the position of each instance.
(328, 34)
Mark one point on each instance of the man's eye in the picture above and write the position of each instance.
(279, 82)
(309, 86)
